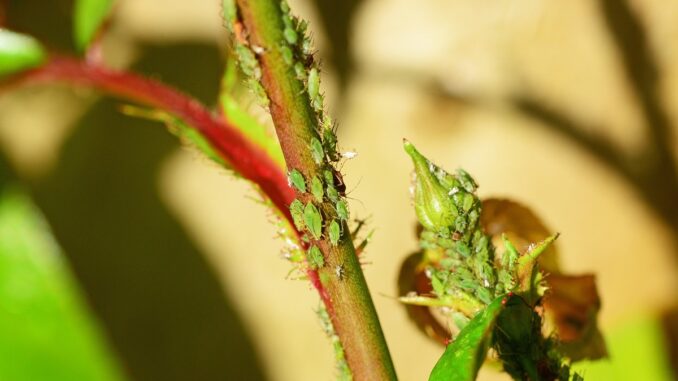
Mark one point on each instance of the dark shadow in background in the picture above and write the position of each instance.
(660, 175)
(337, 18)
(158, 300)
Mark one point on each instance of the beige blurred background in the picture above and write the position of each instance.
(447, 75)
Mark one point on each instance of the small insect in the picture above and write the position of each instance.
(317, 188)
(335, 232)
(300, 71)
(330, 143)
(297, 211)
(317, 151)
(290, 35)
(313, 220)
(315, 257)
(338, 182)
(296, 179)
(313, 84)
(287, 55)
(342, 210)
(340, 272)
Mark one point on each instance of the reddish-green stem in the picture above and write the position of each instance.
(352, 311)
(246, 158)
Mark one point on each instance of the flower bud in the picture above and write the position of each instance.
(432, 203)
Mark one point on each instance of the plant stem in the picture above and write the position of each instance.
(350, 307)
(245, 158)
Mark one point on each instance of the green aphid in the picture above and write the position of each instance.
(329, 178)
(313, 220)
(287, 20)
(484, 295)
(335, 232)
(307, 47)
(290, 35)
(460, 224)
(317, 151)
(330, 143)
(284, 7)
(287, 55)
(300, 71)
(247, 60)
(467, 202)
(315, 258)
(317, 103)
(342, 210)
(466, 181)
(297, 211)
(296, 179)
(313, 84)
(332, 193)
(463, 249)
(317, 188)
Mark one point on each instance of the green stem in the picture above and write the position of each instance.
(349, 305)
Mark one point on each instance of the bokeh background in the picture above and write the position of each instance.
(125, 256)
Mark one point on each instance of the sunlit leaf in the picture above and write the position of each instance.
(18, 52)
(46, 333)
(464, 356)
(88, 16)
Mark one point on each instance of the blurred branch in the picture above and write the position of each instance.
(337, 17)
(247, 159)
(659, 180)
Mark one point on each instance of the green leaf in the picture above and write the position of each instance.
(18, 52)
(256, 132)
(464, 356)
(88, 15)
(46, 331)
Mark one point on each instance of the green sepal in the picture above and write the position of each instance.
(432, 202)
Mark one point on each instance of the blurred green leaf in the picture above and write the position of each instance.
(88, 15)
(637, 352)
(256, 132)
(46, 333)
(18, 52)
(464, 356)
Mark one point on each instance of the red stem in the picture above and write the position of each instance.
(247, 159)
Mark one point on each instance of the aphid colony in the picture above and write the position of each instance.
(309, 219)
(327, 187)
(449, 211)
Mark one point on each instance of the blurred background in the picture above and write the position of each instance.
(124, 256)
